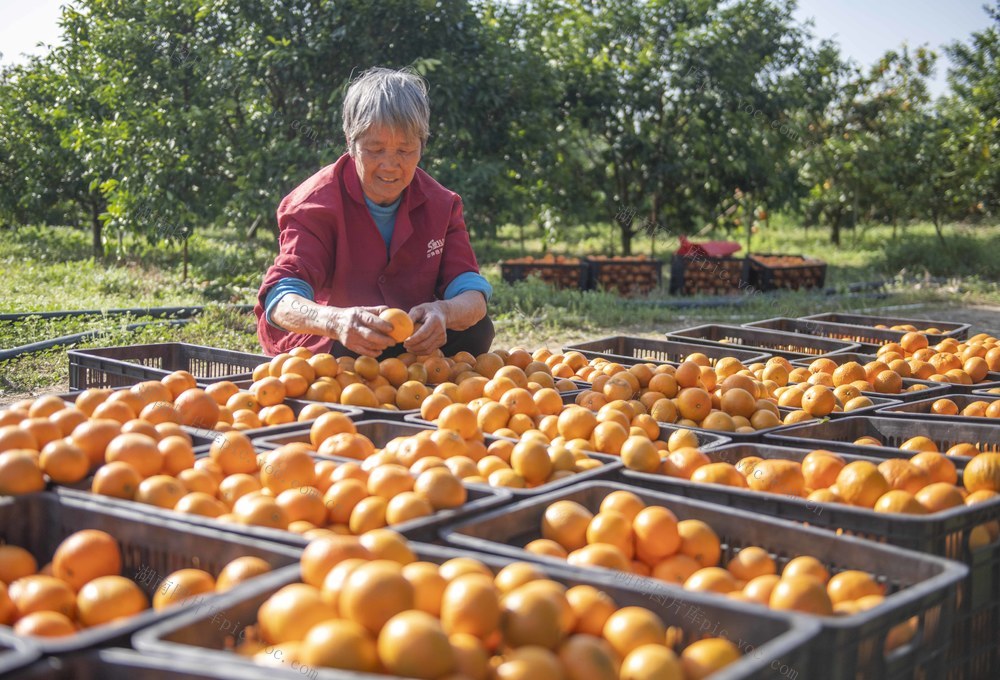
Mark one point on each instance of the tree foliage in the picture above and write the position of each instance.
(156, 116)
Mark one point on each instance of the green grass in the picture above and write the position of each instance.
(50, 269)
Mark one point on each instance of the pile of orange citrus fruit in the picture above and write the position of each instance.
(82, 586)
(628, 535)
(368, 604)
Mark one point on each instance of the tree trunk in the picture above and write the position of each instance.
(95, 230)
(835, 231)
(626, 241)
(185, 259)
(937, 228)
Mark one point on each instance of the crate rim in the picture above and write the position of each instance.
(937, 417)
(16, 652)
(959, 327)
(758, 323)
(755, 355)
(844, 346)
(93, 659)
(792, 441)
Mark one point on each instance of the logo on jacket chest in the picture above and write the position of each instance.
(435, 247)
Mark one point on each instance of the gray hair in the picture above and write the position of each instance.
(394, 99)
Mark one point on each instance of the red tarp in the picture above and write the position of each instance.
(710, 249)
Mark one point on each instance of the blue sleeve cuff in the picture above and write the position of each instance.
(280, 290)
(468, 281)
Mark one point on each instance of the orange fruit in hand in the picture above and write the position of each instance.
(402, 324)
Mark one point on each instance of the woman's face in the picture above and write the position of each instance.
(386, 160)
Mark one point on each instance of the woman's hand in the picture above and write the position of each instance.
(431, 321)
(359, 329)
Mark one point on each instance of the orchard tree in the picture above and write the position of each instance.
(975, 82)
(672, 106)
(47, 176)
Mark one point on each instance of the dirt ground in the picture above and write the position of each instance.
(984, 319)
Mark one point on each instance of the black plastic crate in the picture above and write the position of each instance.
(629, 350)
(869, 339)
(558, 274)
(949, 329)
(777, 343)
(809, 273)
(878, 401)
(921, 410)
(381, 432)
(848, 647)
(839, 435)
(715, 275)
(126, 664)
(612, 274)
(15, 653)
(124, 366)
(992, 380)
(774, 645)
(973, 649)
(156, 545)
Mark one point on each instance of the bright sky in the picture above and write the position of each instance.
(865, 29)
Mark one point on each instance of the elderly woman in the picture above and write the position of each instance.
(374, 231)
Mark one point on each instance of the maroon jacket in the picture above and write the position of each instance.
(328, 239)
